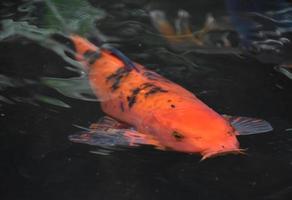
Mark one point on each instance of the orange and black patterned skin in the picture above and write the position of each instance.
(155, 105)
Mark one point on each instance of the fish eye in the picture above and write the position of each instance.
(178, 136)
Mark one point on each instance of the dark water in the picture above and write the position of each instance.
(38, 162)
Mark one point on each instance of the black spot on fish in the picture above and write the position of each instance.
(151, 89)
(136, 91)
(155, 90)
(146, 85)
(91, 56)
(154, 76)
(117, 77)
(122, 106)
(133, 98)
(172, 105)
(178, 136)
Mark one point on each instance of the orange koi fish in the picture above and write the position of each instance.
(146, 108)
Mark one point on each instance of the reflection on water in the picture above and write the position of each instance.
(44, 92)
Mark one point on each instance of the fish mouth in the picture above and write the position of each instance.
(211, 154)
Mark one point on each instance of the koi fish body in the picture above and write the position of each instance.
(163, 113)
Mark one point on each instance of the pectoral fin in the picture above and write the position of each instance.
(109, 133)
(249, 126)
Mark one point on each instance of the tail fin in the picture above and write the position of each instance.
(81, 50)
(82, 45)
(78, 48)
(87, 51)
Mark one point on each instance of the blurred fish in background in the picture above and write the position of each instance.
(181, 34)
(265, 30)
(260, 29)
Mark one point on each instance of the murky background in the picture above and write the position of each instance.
(40, 102)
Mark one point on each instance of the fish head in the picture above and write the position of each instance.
(207, 141)
(208, 134)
